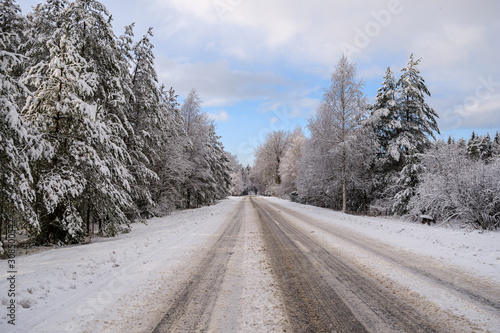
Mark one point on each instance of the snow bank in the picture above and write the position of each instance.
(94, 286)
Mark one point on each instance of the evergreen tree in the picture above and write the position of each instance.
(473, 149)
(418, 120)
(206, 164)
(384, 119)
(16, 194)
(486, 148)
(409, 179)
(496, 145)
(219, 167)
(168, 192)
(145, 117)
(85, 171)
(418, 123)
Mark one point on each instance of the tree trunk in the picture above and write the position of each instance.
(344, 199)
(88, 220)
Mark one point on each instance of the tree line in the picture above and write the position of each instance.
(382, 158)
(88, 136)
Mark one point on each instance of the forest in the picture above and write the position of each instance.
(382, 159)
(90, 140)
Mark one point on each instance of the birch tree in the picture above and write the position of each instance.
(338, 117)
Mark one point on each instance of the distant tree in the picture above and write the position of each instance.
(486, 148)
(289, 163)
(236, 173)
(496, 145)
(473, 149)
(268, 156)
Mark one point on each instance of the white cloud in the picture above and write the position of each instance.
(206, 41)
(216, 83)
(219, 115)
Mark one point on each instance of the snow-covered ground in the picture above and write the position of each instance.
(84, 288)
(476, 251)
(122, 283)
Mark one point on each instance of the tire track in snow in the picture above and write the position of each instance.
(194, 303)
(323, 293)
(460, 282)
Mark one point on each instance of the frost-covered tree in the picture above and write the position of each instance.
(455, 187)
(237, 183)
(145, 116)
(403, 124)
(384, 118)
(473, 147)
(417, 118)
(16, 194)
(268, 156)
(289, 164)
(207, 170)
(219, 167)
(85, 172)
(496, 145)
(409, 179)
(171, 167)
(338, 117)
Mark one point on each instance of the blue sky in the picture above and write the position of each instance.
(261, 65)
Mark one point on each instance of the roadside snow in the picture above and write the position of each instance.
(91, 288)
(470, 257)
(477, 252)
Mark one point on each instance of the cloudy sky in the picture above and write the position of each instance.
(261, 65)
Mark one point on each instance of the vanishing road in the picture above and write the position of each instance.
(296, 273)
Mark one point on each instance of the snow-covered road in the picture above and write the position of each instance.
(255, 264)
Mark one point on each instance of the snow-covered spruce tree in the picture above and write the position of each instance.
(384, 119)
(207, 172)
(408, 181)
(338, 118)
(473, 147)
(86, 171)
(385, 126)
(418, 123)
(486, 148)
(496, 145)
(16, 193)
(219, 168)
(417, 118)
(145, 116)
(167, 191)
